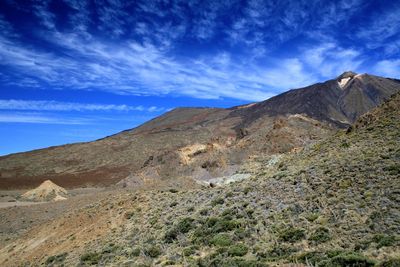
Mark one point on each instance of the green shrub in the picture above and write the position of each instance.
(56, 259)
(278, 251)
(350, 259)
(312, 216)
(218, 225)
(312, 257)
(204, 212)
(129, 214)
(393, 169)
(221, 240)
(152, 251)
(384, 240)
(239, 262)
(229, 213)
(189, 250)
(190, 209)
(247, 190)
(110, 248)
(212, 226)
(171, 235)
(221, 260)
(238, 250)
(320, 235)
(391, 263)
(201, 235)
(135, 252)
(91, 258)
(185, 225)
(345, 144)
(292, 234)
(217, 201)
(173, 190)
(229, 194)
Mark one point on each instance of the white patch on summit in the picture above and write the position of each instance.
(342, 82)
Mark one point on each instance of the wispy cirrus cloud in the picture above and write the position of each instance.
(383, 33)
(42, 105)
(38, 118)
(102, 46)
(131, 68)
(331, 59)
(388, 68)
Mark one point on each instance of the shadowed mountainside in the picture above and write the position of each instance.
(201, 143)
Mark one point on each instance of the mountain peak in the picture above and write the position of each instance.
(346, 74)
(344, 78)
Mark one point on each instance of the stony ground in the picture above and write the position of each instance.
(335, 203)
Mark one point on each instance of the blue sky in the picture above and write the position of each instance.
(77, 70)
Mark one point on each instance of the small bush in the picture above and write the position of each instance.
(173, 190)
(188, 251)
(345, 144)
(201, 235)
(238, 250)
(247, 190)
(135, 252)
(91, 258)
(320, 235)
(312, 216)
(224, 225)
(204, 212)
(313, 257)
(190, 209)
(351, 259)
(185, 225)
(221, 260)
(221, 240)
(292, 235)
(110, 248)
(173, 204)
(384, 240)
(217, 201)
(56, 259)
(390, 263)
(229, 194)
(229, 213)
(152, 251)
(393, 169)
(239, 262)
(129, 214)
(171, 235)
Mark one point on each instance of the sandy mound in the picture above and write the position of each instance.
(47, 191)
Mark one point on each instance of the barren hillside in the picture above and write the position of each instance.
(336, 203)
(202, 143)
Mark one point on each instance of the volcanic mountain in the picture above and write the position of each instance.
(202, 143)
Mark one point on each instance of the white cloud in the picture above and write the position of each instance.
(40, 119)
(133, 68)
(46, 18)
(68, 106)
(388, 68)
(380, 29)
(383, 32)
(330, 60)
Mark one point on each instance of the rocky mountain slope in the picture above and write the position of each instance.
(201, 143)
(335, 203)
